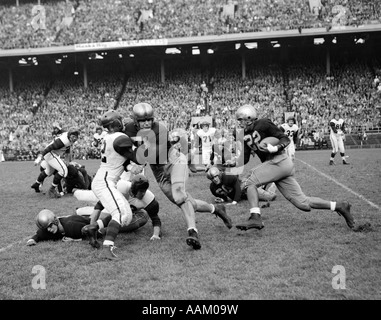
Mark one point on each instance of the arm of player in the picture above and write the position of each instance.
(232, 180)
(94, 216)
(56, 145)
(332, 125)
(153, 210)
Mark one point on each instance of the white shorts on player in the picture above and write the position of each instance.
(337, 142)
(206, 153)
(112, 199)
(54, 162)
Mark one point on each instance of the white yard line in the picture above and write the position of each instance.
(12, 244)
(342, 185)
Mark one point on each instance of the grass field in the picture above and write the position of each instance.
(291, 258)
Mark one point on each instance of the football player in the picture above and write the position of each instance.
(228, 187)
(116, 154)
(291, 129)
(67, 228)
(276, 167)
(142, 201)
(97, 140)
(206, 135)
(77, 177)
(167, 155)
(51, 162)
(337, 131)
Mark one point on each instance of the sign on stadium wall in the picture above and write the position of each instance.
(120, 44)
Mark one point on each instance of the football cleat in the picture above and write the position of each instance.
(193, 240)
(91, 231)
(192, 168)
(53, 193)
(344, 209)
(36, 187)
(254, 222)
(345, 162)
(331, 162)
(220, 211)
(107, 252)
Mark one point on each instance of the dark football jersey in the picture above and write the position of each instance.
(253, 135)
(72, 226)
(156, 139)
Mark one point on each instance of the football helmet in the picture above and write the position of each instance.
(45, 218)
(112, 119)
(73, 130)
(139, 183)
(246, 115)
(213, 173)
(142, 112)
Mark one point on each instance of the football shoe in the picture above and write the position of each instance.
(36, 187)
(192, 239)
(344, 210)
(254, 222)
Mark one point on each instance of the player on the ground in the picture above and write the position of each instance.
(276, 167)
(116, 154)
(77, 177)
(142, 201)
(167, 155)
(52, 163)
(291, 129)
(337, 131)
(67, 228)
(229, 188)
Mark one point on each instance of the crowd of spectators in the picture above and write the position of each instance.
(27, 114)
(69, 22)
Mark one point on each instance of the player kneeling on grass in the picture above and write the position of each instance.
(142, 201)
(229, 188)
(67, 228)
(77, 178)
(276, 167)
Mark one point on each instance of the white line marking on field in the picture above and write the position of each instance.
(342, 185)
(12, 244)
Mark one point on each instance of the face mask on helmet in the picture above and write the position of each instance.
(246, 115)
(142, 114)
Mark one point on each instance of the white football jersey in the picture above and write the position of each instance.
(65, 140)
(99, 137)
(206, 137)
(338, 126)
(124, 187)
(111, 161)
(290, 131)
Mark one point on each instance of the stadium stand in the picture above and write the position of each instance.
(193, 87)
